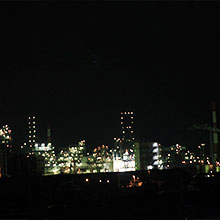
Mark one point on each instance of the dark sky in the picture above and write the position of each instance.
(77, 65)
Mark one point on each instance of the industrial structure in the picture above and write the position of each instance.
(126, 154)
(5, 149)
(31, 131)
(127, 130)
(45, 158)
(147, 155)
(213, 134)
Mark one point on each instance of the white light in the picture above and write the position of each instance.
(155, 162)
(155, 157)
(150, 167)
(107, 181)
(155, 150)
(155, 144)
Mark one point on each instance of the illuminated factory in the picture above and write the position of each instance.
(123, 155)
(72, 158)
(46, 158)
(126, 154)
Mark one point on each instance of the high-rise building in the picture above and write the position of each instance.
(31, 131)
(5, 149)
(127, 130)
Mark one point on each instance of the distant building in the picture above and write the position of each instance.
(124, 163)
(31, 131)
(5, 149)
(46, 162)
(147, 155)
(127, 130)
(72, 159)
(178, 156)
(100, 160)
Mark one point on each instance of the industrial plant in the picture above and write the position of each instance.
(126, 153)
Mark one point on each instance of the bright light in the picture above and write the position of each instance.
(87, 180)
(155, 144)
(155, 162)
(155, 150)
(155, 157)
(150, 167)
(107, 181)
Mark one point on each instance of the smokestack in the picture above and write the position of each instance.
(48, 134)
(215, 134)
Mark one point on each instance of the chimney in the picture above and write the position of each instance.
(215, 134)
(48, 134)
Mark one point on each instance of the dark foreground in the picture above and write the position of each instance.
(173, 194)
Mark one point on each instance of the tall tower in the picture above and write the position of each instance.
(31, 131)
(127, 129)
(215, 134)
(48, 134)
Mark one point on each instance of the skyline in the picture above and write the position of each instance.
(76, 66)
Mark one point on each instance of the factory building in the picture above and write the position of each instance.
(147, 155)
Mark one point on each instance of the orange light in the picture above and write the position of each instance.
(140, 184)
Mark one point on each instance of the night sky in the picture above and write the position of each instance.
(77, 65)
